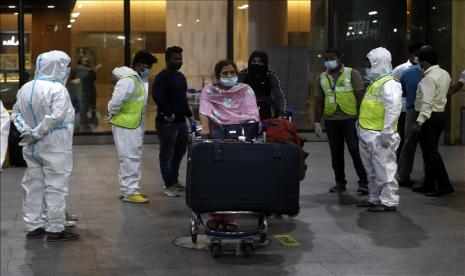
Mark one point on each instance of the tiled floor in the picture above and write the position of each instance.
(425, 237)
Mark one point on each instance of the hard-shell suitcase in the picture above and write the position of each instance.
(225, 176)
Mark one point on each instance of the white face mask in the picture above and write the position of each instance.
(331, 64)
(228, 82)
(146, 73)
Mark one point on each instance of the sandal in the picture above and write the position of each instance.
(230, 227)
(213, 224)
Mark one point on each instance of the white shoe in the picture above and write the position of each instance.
(72, 217)
(179, 187)
(171, 191)
(69, 223)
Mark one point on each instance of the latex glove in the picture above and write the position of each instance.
(28, 138)
(318, 130)
(170, 118)
(385, 140)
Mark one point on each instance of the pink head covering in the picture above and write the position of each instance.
(236, 105)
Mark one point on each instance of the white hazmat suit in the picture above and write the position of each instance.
(44, 115)
(128, 142)
(5, 130)
(378, 148)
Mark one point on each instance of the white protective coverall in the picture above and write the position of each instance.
(378, 148)
(128, 142)
(5, 130)
(43, 113)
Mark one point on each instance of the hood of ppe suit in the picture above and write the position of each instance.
(123, 71)
(380, 59)
(52, 66)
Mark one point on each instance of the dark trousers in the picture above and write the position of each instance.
(173, 145)
(436, 176)
(401, 131)
(338, 131)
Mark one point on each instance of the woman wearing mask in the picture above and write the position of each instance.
(266, 85)
(223, 103)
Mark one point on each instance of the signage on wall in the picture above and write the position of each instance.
(10, 42)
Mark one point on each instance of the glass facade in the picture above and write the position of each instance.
(295, 33)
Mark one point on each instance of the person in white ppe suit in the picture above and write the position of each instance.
(44, 116)
(126, 110)
(377, 131)
(5, 130)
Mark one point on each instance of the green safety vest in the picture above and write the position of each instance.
(372, 108)
(130, 114)
(339, 94)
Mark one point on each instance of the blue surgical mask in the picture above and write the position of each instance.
(367, 71)
(228, 82)
(331, 64)
(146, 73)
(416, 60)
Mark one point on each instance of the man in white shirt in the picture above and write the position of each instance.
(430, 103)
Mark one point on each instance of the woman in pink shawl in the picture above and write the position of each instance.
(225, 102)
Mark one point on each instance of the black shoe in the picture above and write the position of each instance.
(363, 189)
(365, 203)
(440, 192)
(382, 208)
(422, 189)
(36, 233)
(338, 188)
(64, 235)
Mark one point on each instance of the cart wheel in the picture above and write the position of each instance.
(194, 238)
(262, 237)
(215, 250)
(246, 249)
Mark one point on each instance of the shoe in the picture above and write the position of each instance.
(135, 199)
(179, 186)
(69, 223)
(36, 233)
(363, 189)
(64, 235)
(440, 192)
(422, 189)
(365, 203)
(71, 217)
(170, 191)
(338, 188)
(144, 195)
(213, 224)
(382, 208)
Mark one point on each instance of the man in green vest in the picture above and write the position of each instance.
(338, 98)
(377, 132)
(126, 108)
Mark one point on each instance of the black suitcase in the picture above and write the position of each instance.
(225, 176)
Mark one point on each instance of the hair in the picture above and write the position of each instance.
(333, 51)
(428, 54)
(221, 64)
(415, 46)
(172, 50)
(144, 57)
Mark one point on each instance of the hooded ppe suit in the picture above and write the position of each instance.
(378, 144)
(128, 141)
(44, 115)
(5, 130)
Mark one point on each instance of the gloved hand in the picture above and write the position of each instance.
(107, 117)
(318, 130)
(170, 118)
(28, 138)
(385, 140)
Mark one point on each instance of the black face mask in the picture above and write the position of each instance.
(175, 65)
(256, 69)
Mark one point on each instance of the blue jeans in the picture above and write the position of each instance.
(173, 145)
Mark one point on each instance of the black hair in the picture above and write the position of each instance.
(171, 50)
(414, 46)
(333, 51)
(221, 64)
(428, 54)
(144, 57)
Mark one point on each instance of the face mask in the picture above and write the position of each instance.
(331, 64)
(367, 71)
(175, 65)
(65, 75)
(415, 60)
(256, 68)
(146, 73)
(373, 76)
(228, 82)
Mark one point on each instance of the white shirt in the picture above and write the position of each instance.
(432, 92)
(397, 72)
